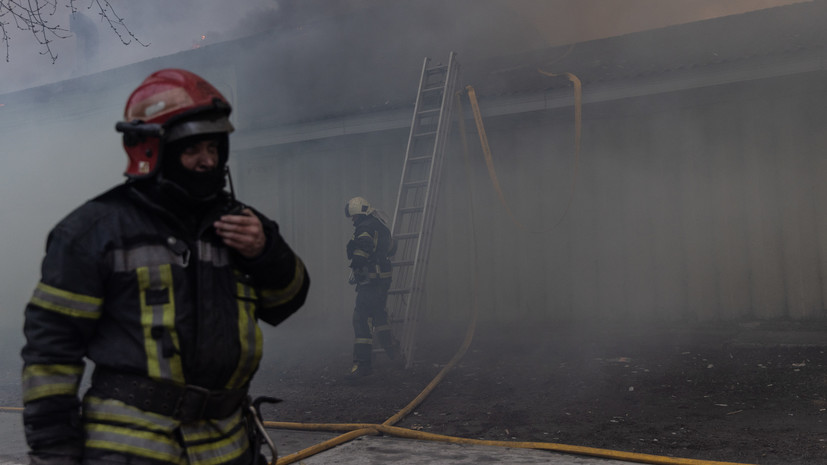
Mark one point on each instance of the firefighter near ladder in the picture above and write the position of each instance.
(369, 252)
(161, 282)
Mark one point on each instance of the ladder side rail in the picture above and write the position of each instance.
(407, 339)
(440, 153)
(415, 243)
(416, 302)
(437, 156)
(407, 312)
(423, 250)
(406, 247)
(410, 278)
(414, 126)
(447, 100)
(411, 315)
(402, 275)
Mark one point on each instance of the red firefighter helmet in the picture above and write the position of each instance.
(169, 105)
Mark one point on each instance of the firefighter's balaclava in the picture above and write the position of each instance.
(199, 185)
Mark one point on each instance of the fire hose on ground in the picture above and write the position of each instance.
(355, 430)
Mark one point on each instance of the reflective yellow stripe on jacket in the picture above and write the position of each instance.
(249, 336)
(273, 298)
(114, 426)
(50, 380)
(160, 314)
(215, 441)
(66, 303)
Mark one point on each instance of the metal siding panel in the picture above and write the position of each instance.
(702, 301)
(797, 225)
(765, 246)
(610, 193)
(685, 224)
(637, 156)
(668, 239)
(727, 159)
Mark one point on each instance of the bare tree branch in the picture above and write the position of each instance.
(36, 16)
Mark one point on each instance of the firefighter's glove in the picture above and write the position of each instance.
(351, 279)
(361, 275)
(50, 459)
(46, 458)
(57, 454)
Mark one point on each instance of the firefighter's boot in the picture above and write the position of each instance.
(359, 370)
(388, 342)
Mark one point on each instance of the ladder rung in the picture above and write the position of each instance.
(432, 89)
(402, 290)
(403, 263)
(423, 134)
(418, 159)
(404, 236)
(415, 184)
(428, 112)
(436, 68)
(411, 209)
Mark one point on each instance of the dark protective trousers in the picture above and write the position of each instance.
(370, 311)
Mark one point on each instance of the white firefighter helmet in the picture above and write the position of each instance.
(358, 206)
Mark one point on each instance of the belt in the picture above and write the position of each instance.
(186, 403)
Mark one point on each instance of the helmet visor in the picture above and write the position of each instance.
(198, 127)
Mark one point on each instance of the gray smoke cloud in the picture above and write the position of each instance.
(40, 188)
(169, 27)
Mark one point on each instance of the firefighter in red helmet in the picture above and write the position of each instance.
(160, 282)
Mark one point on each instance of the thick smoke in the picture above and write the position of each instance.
(46, 175)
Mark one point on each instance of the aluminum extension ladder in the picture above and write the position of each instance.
(416, 202)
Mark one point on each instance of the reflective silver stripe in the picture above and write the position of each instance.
(50, 380)
(363, 340)
(160, 315)
(135, 442)
(217, 256)
(249, 336)
(378, 273)
(144, 256)
(210, 430)
(381, 328)
(274, 298)
(146, 434)
(227, 440)
(361, 253)
(65, 302)
(114, 411)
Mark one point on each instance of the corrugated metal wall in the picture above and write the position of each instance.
(691, 206)
(304, 187)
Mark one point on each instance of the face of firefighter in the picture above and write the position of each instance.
(196, 164)
(201, 156)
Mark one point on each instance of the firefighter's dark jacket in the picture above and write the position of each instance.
(128, 285)
(371, 248)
